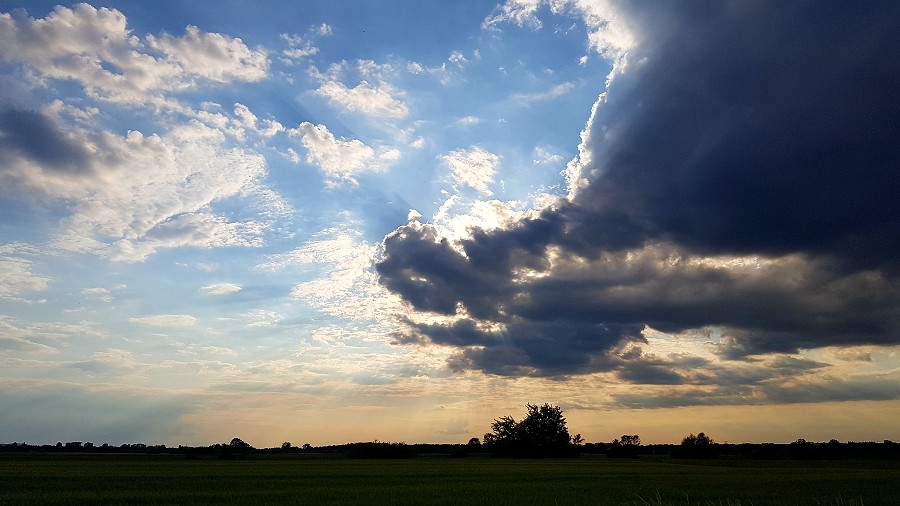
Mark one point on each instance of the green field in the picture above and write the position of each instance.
(105, 479)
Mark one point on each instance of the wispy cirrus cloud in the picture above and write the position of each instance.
(18, 277)
(221, 289)
(174, 177)
(166, 320)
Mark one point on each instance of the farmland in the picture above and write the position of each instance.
(310, 479)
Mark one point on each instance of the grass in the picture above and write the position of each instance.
(299, 480)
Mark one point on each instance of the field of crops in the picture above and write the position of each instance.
(120, 480)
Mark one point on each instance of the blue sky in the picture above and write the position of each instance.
(333, 221)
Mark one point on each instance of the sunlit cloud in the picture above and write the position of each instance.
(474, 168)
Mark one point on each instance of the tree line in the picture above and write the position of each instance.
(541, 433)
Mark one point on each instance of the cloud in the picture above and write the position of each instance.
(555, 92)
(221, 289)
(249, 121)
(613, 31)
(44, 336)
(372, 96)
(130, 196)
(98, 293)
(467, 121)
(212, 56)
(546, 156)
(25, 134)
(95, 48)
(456, 57)
(474, 168)
(734, 179)
(18, 277)
(302, 47)
(339, 159)
(165, 320)
(346, 285)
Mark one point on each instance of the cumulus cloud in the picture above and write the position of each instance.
(474, 167)
(212, 56)
(736, 178)
(248, 120)
(373, 95)
(339, 159)
(97, 49)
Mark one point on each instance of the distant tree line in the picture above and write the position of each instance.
(542, 433)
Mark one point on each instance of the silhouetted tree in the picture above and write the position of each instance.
(239, 444)
(236, 448)
(286, 445)
(474, 443)
(542, 433)
(632, 440)
(626, 447)
(696, 447)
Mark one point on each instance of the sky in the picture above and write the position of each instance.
(325, 222)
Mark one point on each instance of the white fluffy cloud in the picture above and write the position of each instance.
(373, 95)
(339, 159)
(474, 167)
(96, 48)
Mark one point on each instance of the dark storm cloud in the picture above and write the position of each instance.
(33, 136)
(767, 131)
(765, 127)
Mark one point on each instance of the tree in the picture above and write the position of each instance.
(632, 440)
(696, 447)
(627, 446)
(286, 445)
(542, 433)
(239, 444)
